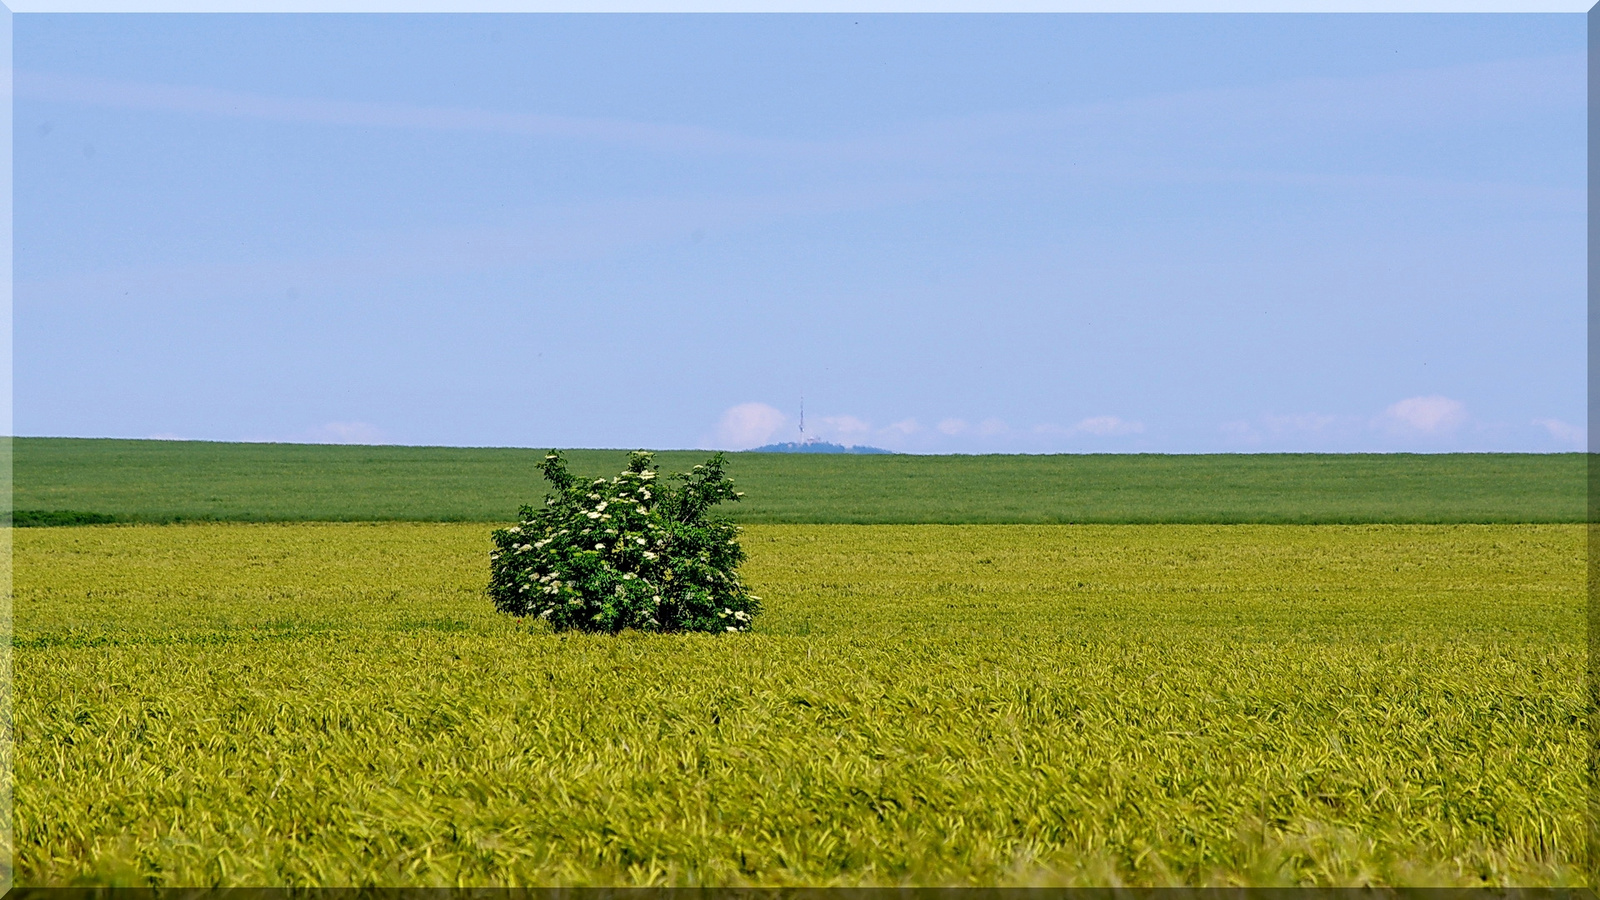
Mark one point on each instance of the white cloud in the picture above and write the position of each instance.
(1432, 415)
(952, 426)
(88, 90)
(1315, 423)
(166, 436)
(749, 425)
(991, 426)
(1240, 429)
(345, 433)
(1106, 426)
(1561, 431)
(1298, 431)
(1493, 91)
(843, 429)
(330, 433)
(755, 424)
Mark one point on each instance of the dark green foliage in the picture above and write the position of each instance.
(48, 518)
(630, 552)
(164, 481)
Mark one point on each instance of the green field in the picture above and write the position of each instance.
(163, 481)
(236, 704)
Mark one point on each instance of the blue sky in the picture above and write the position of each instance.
(1069, 233)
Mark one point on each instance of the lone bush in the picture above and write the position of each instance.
(630, 552)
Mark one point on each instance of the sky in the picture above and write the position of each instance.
(941, 233)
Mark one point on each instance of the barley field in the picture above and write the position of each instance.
(338, 704)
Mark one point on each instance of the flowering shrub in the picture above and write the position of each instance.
(630, 552)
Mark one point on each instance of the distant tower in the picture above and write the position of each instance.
(802, 420)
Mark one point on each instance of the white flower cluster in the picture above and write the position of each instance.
(623, 553)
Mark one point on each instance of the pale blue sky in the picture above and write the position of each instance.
(947, 233)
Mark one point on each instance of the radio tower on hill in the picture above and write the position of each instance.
(803, 438)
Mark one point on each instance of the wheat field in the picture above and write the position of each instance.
(338, 704)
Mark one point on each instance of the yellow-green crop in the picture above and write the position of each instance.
(340, 704)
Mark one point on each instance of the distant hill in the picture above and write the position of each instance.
(815, 447)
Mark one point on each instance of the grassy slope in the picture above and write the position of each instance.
(164, 480)
(334, 704)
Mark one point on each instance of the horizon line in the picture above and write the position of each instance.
(546, 448)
